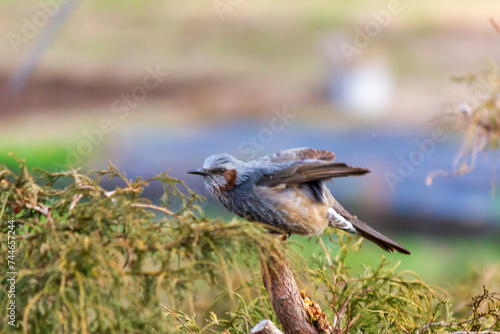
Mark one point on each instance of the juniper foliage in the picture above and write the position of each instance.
(96, 260)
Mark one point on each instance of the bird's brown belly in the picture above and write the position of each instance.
(302, 213)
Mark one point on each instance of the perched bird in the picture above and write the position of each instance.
(286, 190)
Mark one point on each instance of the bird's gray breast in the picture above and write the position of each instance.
(249, 204)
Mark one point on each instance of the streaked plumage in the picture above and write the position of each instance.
(286, 190)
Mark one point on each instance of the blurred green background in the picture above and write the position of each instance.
(232, 68)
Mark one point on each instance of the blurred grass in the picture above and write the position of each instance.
(439, 261)
(40, 154)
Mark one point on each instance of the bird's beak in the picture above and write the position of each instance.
(198, 171)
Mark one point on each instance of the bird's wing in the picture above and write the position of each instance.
(303, 165)
(296, 154)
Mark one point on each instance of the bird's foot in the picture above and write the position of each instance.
(283, 237)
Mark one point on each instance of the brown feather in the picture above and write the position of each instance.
(230, 176)
(310, 153)
(299, 154)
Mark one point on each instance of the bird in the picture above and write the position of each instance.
(286, 191)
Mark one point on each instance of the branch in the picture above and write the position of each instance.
(285, 295)
(467, 332)
(443, 324)
(155, 207)
(75, 200)
(265, 327)
(495, 25)
(44, 210)
(169, 311)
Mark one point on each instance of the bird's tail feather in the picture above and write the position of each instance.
(369, 233)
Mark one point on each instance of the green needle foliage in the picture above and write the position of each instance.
(92, 260)
(379, 298)
(97, 260)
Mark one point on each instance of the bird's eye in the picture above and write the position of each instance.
(219, 170)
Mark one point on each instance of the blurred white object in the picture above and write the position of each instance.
(363, 84)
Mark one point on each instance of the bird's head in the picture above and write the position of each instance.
(220, 173)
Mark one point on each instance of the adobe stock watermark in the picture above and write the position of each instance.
(250, 147)
(33, 24)
(120, 109)
(455, 117)
(11, 270)
(223, 6)
(416, 158)
(364, 36)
